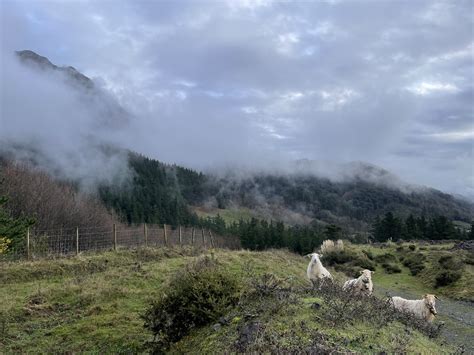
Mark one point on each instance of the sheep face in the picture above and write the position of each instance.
(430, 303)
(366, 276)
(315, 256)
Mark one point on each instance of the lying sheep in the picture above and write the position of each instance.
(316, 272)
(424, 308)
(362, 285)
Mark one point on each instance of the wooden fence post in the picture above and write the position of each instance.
(211, 238)
(145, 234)
(192, 236)
(115, 237)
(180, 236)
(203, 238)
(28, 253)
(165, 235)
(77, 240)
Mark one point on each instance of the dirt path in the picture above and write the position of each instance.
(457, 315)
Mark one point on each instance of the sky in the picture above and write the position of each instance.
(209, 83)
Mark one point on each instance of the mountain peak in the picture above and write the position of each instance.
(32, 58)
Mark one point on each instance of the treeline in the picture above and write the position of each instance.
(257, 234)
(395, 228)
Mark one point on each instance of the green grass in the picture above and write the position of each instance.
(230, 215)
(425, 281)
(93, 303)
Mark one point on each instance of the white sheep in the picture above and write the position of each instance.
(424, 308)
(316, 272)
(362, 285)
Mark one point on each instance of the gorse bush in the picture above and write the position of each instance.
(415, 262)
(196, 296)
(348, 261)
(4, 244)
(391, 268)
(447, 277)
(385, 258)
(450, 263)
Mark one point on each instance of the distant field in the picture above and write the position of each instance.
(230, 215)
(95, 302)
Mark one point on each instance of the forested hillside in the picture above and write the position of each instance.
(160, 193)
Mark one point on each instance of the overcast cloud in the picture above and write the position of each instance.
(207, 83)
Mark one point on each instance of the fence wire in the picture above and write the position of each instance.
(70, 241)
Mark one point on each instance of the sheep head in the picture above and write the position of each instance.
(430, 303)
(366, 276)
(314, 256)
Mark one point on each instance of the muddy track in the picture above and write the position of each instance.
(457, 315)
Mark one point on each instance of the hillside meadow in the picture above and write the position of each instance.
(98, 303)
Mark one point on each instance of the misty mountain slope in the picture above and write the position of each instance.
(61, 120)
(162, 193)
(67, 129)
(31, 58)
(352, 202)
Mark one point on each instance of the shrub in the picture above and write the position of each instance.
(196, 296)
(368, 254)
(4, 244)
(391, 268)
(447, 277)
(415, 263)
(412, 247)
(365, 263)
(385, 258)
(348, 269)
(339, 257)
(469, 259)
(450, 263)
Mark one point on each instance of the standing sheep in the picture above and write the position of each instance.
(424, 308)
(316, 272)
(362, 285)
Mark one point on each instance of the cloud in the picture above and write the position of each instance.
(210, 82)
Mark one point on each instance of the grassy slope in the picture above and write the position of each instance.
(425, 281)
(93, 302)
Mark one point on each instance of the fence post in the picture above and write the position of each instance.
(192, 236)
(77, 240)
(28, 253)
(145, 233)
(203, 238)
(115, 237)
(180, 236)
(211, 238)
(165, 235)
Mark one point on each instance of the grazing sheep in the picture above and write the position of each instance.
(362, 285)
(424, 308)
(316, 272)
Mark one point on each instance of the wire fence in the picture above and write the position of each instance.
(73, 241)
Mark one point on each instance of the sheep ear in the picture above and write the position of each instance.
(361, 272)
(436, 297)
(372, 272)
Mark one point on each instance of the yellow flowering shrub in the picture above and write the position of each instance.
(4, 244)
